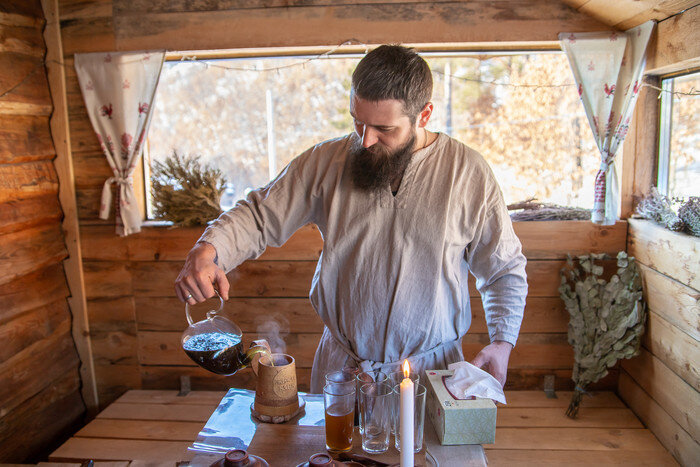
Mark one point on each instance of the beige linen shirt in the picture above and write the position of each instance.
(391, 282)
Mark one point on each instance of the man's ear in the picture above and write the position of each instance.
(424, 115)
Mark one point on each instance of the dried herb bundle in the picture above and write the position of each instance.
(606, 317)
(689, 213)
(658, 208)
(530, 210)
(186, 193)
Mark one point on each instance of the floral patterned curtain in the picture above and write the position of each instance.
(118, 89)
(608, 68)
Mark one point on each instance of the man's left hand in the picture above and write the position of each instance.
(494, 359)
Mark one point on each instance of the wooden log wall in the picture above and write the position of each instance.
(661, 385)
(135, 319)
(40, 399)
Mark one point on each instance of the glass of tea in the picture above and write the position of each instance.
(339, 404)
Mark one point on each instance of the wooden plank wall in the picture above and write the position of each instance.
(661, 385)
(135, 320)
(40, 400)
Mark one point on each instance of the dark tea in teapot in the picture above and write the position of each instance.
(215, 343)
(217, 352)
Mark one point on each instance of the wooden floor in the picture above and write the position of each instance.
(146, 427)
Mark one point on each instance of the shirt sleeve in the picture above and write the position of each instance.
(268, 216)
(495, 259)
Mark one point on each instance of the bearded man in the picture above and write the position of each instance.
(405, 214)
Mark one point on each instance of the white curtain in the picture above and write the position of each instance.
(118, 89)
(608, 68)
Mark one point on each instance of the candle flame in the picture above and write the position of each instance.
(406, 369)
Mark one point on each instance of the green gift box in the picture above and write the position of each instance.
(457, 421)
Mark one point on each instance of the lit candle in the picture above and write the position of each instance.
(406, 428)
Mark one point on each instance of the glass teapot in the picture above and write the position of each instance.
(216, 343)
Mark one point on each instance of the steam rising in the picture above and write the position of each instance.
(274, 329)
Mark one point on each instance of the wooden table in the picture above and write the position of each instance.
(232, 427)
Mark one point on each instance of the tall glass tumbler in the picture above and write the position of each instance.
(372, 376)
(418, 416)
(376, 400)
(395, 378)
(339, 404)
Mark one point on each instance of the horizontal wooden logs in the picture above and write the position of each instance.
(21, 181)
(677, 350)
(581, 237)
(671, 253)
(679, 399)
(31, 291)
(542, 314)
(165, 348)
(39, 421)
(26, 76)
(32, 327)
(676, 303)
(112, 314)
(37, 366)
(26, 213)
(29, 250)
(114, 347)
(90, 169)
(171, 244)
(22, 40)
(316, 25)
(115, 380)
(293, 278)
(676, 45)
(107, 279)
(168, 377)
(25, 139)
(683, 447)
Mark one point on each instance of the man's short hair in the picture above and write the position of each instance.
(394, 72)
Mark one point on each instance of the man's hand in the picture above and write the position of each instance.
(195, 283)
(494, 359)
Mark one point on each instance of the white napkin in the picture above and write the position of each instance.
(469, 381)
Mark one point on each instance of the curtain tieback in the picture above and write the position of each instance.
(106, 201)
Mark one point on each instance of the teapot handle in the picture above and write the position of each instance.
(210, 314)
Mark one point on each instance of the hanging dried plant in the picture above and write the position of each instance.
(606, 317)
(184, 192)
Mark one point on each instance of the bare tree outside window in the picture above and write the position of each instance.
(252, 123)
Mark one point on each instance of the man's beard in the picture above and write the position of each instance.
(376, 167)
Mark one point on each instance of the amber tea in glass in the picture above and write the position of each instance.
(339, 403)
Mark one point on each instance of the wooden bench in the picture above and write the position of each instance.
(158, 426)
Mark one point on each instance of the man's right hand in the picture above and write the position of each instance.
(196, 280)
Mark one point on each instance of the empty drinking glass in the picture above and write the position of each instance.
(375, 408)
(418, 416)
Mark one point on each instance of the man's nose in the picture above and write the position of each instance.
(369, 136)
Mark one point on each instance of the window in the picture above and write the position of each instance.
(518, 110)
(679, 139)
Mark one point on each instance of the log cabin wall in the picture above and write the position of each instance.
(135, 319)
(39, 377)
(662, 384)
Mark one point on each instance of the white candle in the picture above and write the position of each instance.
(406, 428)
